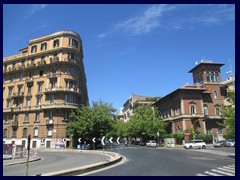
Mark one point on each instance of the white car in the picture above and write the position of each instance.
(151, 143)
(199, 144)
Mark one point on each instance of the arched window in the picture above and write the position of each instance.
(218, 112)
(192, 109)
(56, 43)
(215, 94)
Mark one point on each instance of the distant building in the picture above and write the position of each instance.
(133, 102)
(197, 106)
(41, 86)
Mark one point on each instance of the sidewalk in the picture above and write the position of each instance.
(8, 161)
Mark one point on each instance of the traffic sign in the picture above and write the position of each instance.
(79, 140)
(118, 140)
(110, 140)
(94, 140)
(103, 140)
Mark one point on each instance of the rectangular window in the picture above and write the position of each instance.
(21, 77)
(52, 99)
(25, 132)
(28, 103)
(38, 101)
(40, 73)
(66, 98)
(49, 131)
(43, 46)
(34, 49)
(37, 117)
(50, 115)
(26, 119)
(10, 91)
(11, 79)
(56, 43)
(8, 103)
(35, 131)
(16, 117)
(39, 87)
(7, 119)
(29, 89)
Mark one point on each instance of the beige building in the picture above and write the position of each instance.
(41, 85)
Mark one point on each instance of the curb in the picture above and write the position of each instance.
(115, 158)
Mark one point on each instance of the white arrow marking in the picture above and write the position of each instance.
(103, 140)
(111, 140)
(79, 140)
(118, 140)
(94, 139)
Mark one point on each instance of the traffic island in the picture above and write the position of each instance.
(114, 158)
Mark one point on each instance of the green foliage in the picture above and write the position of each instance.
(207, 138)
(228, 113)
(89, 122)
(179, 137)
(145, 123)
(168, 136)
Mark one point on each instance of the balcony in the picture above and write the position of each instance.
(54, 60)
(27, 108)
(53, 75)
(18, 94)
(14, 123)
(31, 65)
(60, 106)
(42, 62)
(17, 109)
(62, 89)
(7, 109)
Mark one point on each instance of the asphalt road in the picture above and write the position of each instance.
(140, 161)
(143, 161)
(52, 161)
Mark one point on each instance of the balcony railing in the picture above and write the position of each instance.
(60, 105)
(7, 109)
(17, 109)
(18, 94)
(65, 89)
(14, 123)
(53, 75)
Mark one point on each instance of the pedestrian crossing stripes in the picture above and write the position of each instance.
(228, 170)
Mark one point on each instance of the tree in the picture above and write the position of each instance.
(88, 122)
(228, 113)
(145, 123)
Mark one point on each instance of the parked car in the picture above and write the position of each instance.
(199, 144)
(142, 143)
(222, 143)
(230, 143)
(151, 143)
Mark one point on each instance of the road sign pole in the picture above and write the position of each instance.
(28, 149)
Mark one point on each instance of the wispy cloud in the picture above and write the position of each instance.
(215, 15)
(35, 8)
(174, 17)
(144, 23)
(103, 35)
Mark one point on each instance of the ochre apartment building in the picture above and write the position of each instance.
(41, 85)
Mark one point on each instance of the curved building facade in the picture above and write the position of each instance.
(41, 85)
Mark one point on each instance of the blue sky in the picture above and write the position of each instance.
(144, 49)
